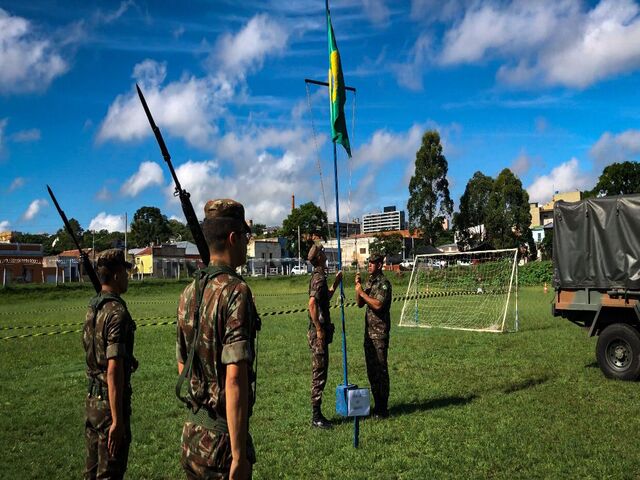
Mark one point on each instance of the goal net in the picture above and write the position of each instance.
(464, 291)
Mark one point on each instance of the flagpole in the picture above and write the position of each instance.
(356, 419)
(344, 335)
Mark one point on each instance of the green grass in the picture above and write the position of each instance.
(531, 404)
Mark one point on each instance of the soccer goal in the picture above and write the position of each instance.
(463, 291)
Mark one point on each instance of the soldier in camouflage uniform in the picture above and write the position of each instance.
(216, 350)
(320, 333)
(108, 343)
(376, 295)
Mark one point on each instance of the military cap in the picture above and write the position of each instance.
(314, 251)
(376, 258)
(111, 258)
(225, 209)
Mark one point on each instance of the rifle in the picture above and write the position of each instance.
(187, 207)
(86, 263)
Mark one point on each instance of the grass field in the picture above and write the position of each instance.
(531, 404)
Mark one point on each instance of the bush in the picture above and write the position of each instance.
(535, 273)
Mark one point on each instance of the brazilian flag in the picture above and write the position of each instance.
(337, 93)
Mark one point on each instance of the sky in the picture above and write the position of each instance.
(547, 88)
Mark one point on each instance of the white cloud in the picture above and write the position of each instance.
(17, 183)
(565, 177)
(103, 195)
(4, 225)
(522, 164)
(29, 61)
(268, 165)
(104, 221)
(239, 54)
(612, 148)
(510, 28)
(148, 174)
(385, 146)
(410, 73)
(23, 136)
(376, 10)
(34, 208)
(548, 42)
(190, 107)
(110, 17)
(183, 108)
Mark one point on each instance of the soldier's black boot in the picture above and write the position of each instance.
(318, 420)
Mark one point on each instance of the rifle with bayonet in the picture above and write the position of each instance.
(187, 207)
(86, 263)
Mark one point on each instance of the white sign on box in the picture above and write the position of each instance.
(358, 402)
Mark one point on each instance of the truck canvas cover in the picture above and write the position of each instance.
(596, 243)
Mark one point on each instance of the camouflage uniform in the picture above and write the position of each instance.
(228, 326)
(108, 333)
(319, 290)
(376, 340)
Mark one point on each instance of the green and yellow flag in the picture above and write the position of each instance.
(337, 93)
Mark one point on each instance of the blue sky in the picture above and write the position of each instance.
(547, 88)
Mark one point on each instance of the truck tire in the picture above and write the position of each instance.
(618, 352)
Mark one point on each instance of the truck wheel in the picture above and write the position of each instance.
(618, 352)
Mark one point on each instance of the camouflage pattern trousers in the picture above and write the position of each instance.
(375, 354)
(206, 454)
(319, 367)
(99, 464)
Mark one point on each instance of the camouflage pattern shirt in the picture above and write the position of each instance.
(319, 290)
(108, 333)
(228, 325)
(378, 323)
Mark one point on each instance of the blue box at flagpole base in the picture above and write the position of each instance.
(352, 401)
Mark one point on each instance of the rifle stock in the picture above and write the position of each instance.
(86, 263)
(185, 200)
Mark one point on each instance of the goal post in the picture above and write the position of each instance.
(475, 291)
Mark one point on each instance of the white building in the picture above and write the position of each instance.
(354, 249)
(382, 221)
(264, 248)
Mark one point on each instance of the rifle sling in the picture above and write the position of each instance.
(208, 273)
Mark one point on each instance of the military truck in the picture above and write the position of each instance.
(596, 276)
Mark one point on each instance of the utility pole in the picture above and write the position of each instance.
(126, 225)
(298, 246)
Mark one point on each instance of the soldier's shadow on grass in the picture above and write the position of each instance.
(432, 404)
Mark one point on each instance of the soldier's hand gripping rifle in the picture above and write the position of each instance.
(86, 263)
(180, 192)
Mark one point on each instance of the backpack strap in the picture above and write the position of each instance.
(203, 276)
(95, 308)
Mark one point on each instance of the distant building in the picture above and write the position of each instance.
(20, 263)
(389, 219)
(165, 261)
(6, 237)
(542, 215)
(356, 248)
(346, 229)
(264, 248)
(66, 266)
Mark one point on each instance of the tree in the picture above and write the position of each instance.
(390, 244)
(258, 229)
(547, 245)
(63, 240)
(469, 221)
(180, 231)
(508, 217)
(313, 224)
(618, 179)
(149, 225)
(429, 200)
